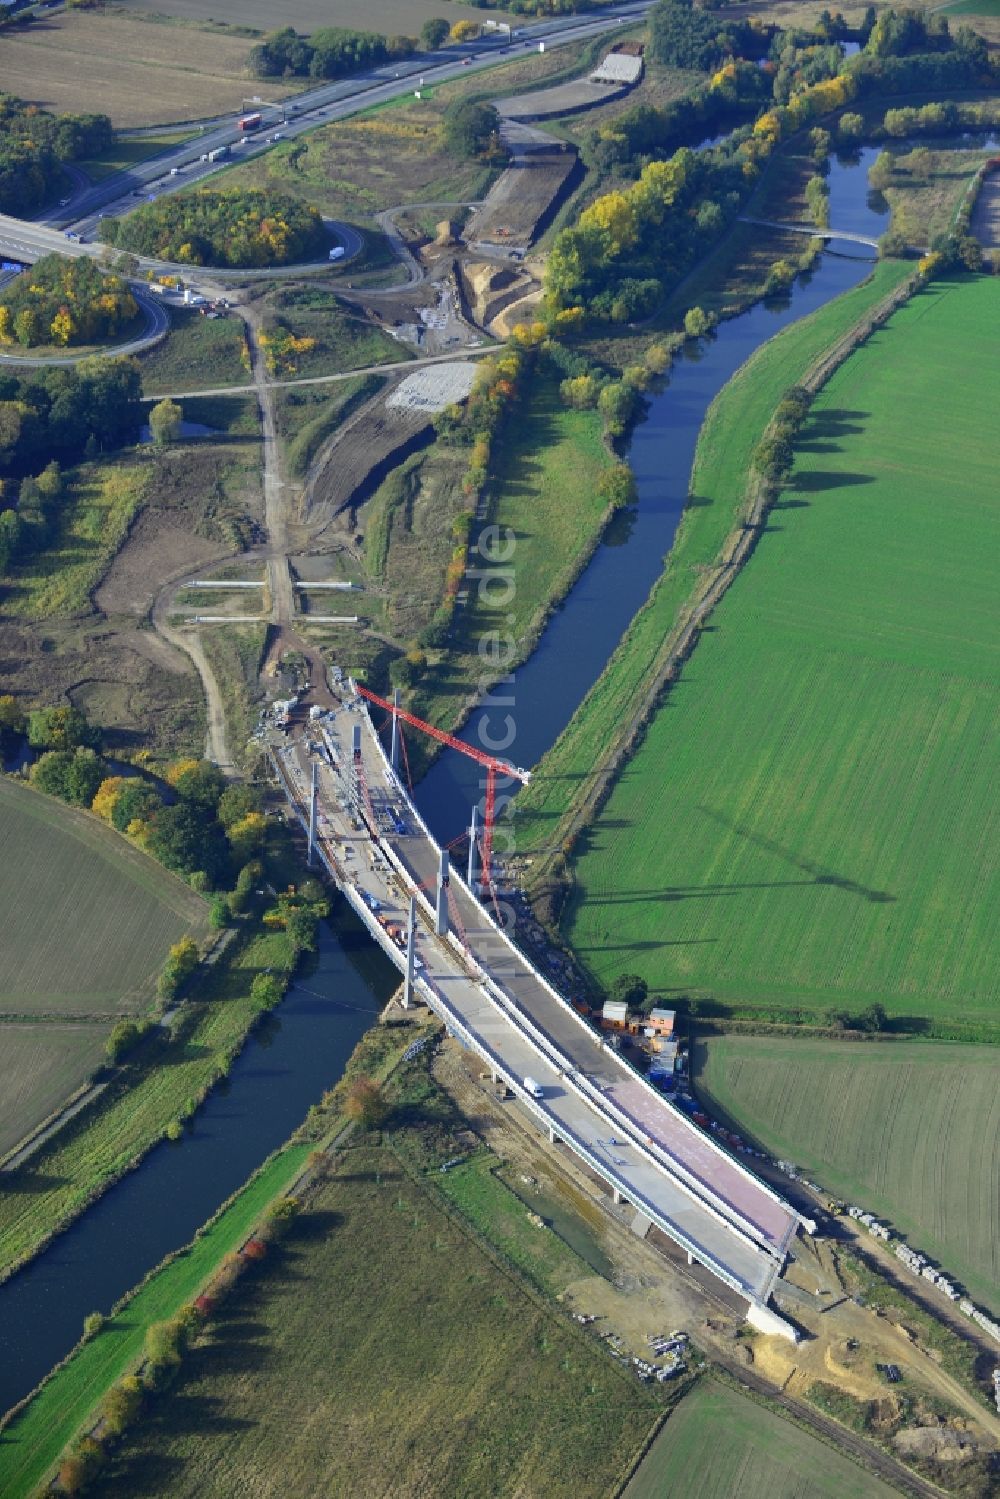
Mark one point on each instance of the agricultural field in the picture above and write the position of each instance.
(454, 1375)
(392, 17)
(87, 923)
(718, 1443)
(546, 808)
(138, 72)
(911, 1131)
(809, 820)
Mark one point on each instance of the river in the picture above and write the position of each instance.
(298, 1052)
(582, 634)
(301, 1050)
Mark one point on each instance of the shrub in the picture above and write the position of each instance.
(93, 1323)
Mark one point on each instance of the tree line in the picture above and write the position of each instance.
(237, 227)
(64, 300)
(34, 144)
(332, 52)
(67, 414)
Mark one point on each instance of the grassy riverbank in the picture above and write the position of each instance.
(393, 1347)
(66, 1403)
(155, 1088)
(733, 426)
(543, 497)
(824, 764)
(31, 1446)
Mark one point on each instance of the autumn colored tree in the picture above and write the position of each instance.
(165, 421)
(365, 1103)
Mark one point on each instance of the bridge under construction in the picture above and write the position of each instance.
(456, 958)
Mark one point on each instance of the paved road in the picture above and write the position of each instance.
(402, 366)
(180, 166)
(666, 1168)
(157, 327)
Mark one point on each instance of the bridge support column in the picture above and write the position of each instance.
(616, 1197)
(553, 1137)
(311, 856)
(471, 881)
(394, 742)
(441, 921)
(690, 1257)
(410, 939)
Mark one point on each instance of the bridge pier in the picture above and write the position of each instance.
(410, 937)
(311, 855)
(616, 1197)
(471, 877)
(394, 742)
(441, 915)
(553, 1137)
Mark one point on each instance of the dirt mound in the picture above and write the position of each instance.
(942, 1444)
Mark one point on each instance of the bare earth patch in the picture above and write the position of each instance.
(138, 72)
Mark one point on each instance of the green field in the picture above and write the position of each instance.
(732, 428)
(200, 354)
(910, 1131)
(87, 918)
(389, 1353)
(718, 1444)
(87, 1155)
(811, 818)
(534, 495)
(31, 1447)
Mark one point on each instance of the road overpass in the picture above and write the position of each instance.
(652, 1156)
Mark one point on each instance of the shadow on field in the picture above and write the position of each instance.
(820, 479)
(820, 875)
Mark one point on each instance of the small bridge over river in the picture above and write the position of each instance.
(813, 230)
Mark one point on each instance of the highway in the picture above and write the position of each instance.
(182, 165)
(654, 1158)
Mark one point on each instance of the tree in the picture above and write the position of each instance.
(433, 34)
(60, 729)
(617, 486)
(219, 914)
(266, 991)
(84, 776)
(50, 773)
(881, 170)
(696, 322)
(246, 837)
(301, 926)
(122, 1404)
(920, 163)
(470, 129)
(365, 1103)
(236, 801)
(93, 1323)
(165, 421)
(970, 253)
(464, 31)
(123, 1037)
(183, 839)
(630, 988)
(136, 801)
(197, 781)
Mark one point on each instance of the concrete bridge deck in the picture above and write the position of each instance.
(489, 995)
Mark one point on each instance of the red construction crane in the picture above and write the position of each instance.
(494, 767)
